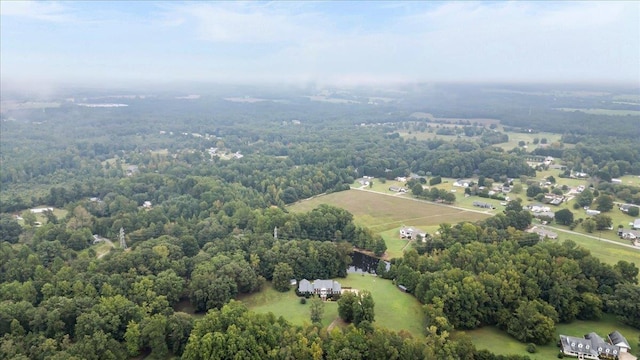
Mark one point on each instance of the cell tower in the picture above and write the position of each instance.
(123, 242)
(275, 233)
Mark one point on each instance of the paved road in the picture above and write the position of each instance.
(489, 213)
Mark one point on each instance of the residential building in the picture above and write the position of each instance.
(483, 205)
(592, 346)
(543, 233)
(636, 224)
(411, 232)
(324, 288)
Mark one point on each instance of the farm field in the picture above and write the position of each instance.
(501, 343)
(394, 309)
(385, 214)
(381, 212)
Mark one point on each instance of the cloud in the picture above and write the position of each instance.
(36, 10)
(247, 22)
(329, 41)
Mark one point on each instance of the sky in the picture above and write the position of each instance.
(336, 42)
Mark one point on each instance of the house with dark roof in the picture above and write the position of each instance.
(323, 288)
(592, 346)
(483, 205)
(615, 338)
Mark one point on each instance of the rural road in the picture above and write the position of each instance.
(488, 213)
(593, 237)
(103, 239)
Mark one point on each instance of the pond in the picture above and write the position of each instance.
(363, 263)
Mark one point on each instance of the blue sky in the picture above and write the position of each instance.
(331, 42)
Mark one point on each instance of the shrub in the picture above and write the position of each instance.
(303, 301)
(531, 348)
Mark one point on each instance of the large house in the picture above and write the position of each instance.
(324, 288)
(592, 346)
(411, 232)
(636, 224)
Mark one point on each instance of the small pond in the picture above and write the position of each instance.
(363, 263)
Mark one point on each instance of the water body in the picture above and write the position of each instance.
(363, 263)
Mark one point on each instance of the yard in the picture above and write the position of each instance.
(394, 309)
(501, 343)
(287, 305)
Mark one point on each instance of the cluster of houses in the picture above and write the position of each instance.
(592, 346)
(540, 211)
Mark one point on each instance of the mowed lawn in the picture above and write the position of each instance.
(287, 304)
(381, 212)
(394, 309)
(501, 343)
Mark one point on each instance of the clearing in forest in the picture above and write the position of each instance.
(381, 212)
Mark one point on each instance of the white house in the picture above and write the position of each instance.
(411, 232)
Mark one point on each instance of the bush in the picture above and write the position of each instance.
(531, 348)
(560, 355)
(303, 301)
(633, 211)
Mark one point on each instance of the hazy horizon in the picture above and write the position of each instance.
(338, 43)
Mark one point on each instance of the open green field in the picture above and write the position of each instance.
(516, 137)
(381, 212)
(610, 112)
(606, 252)
(287, 305)
(501, 343)
(394, 309)
(385, 214)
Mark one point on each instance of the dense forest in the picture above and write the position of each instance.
(199, 190)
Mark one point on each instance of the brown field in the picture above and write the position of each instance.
(381, 212)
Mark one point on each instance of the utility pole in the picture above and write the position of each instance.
(123, 242)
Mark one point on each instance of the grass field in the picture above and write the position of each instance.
(385, 214)
(501, 343)
(287, 305)
(381, 212)
(394, 309)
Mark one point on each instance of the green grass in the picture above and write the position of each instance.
(395, 244)
(606, 252)
(381, 212)
(287, 305)
(394, 309)
(501, 343)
